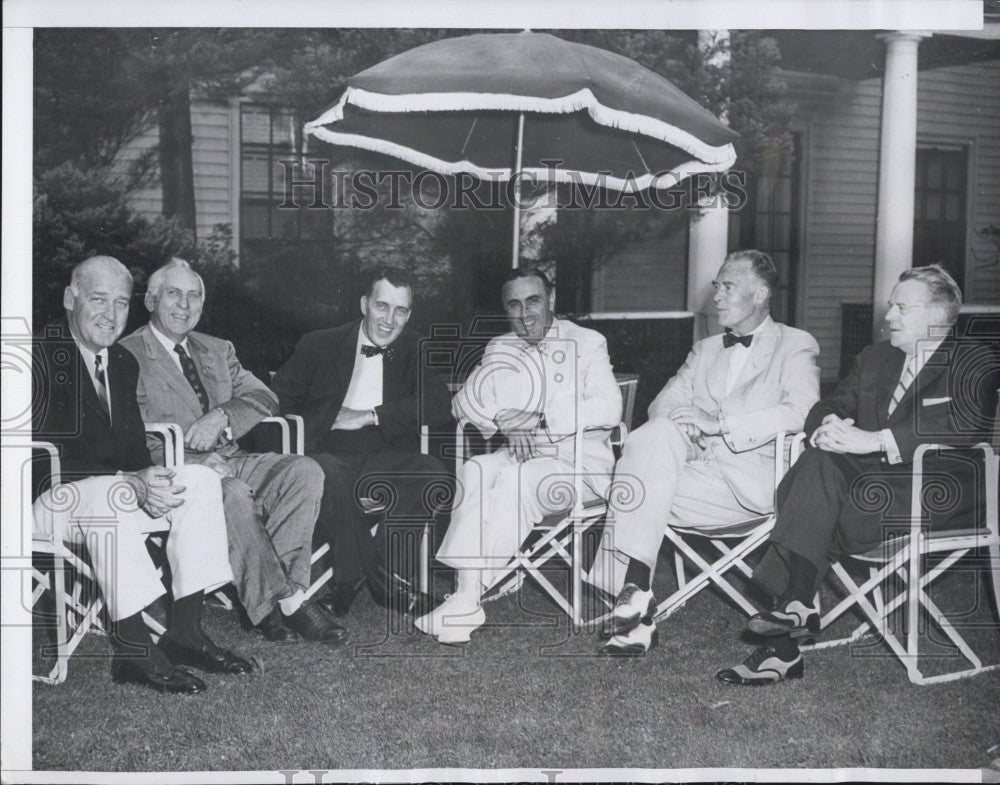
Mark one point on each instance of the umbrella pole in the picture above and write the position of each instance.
(515, 256)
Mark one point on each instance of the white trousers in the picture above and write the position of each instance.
(499, 501)
(670, 482)
(102, 513)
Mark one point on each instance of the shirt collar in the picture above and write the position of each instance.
(169, 343)
(88, 356)
(552, 332)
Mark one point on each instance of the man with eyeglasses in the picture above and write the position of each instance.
(841, 496)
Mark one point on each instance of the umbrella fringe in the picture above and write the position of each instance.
(575, 102)
(661, 180)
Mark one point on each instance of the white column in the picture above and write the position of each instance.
(708, 243)
(708, 229)
(896, 169)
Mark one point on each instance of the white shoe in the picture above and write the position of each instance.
(634, 643)
(454, 620)
(633, 605)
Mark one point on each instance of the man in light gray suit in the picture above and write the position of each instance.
(706, 456)
(272, 501)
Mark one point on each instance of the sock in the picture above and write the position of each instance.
(185, 620)
(786, 648)
(131, 639)
(801, 579)
(291, 604)
(467, 584)
(638, 573)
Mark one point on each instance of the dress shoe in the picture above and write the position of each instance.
(274, 629)
(764, 666)
(396, 593)
(176, 680)
(454, 620)
(796, 619)
(337, 601)
(632, 606)
(207, 657)
(634, 643)
(312, 623)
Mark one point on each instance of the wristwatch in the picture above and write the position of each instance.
(227, 432)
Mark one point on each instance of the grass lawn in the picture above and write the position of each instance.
(526, 692)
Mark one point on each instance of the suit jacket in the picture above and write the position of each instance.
(67, 412)
(314, 381)
(165, 395)
(571, 381)
(951, 401)
(773, 393)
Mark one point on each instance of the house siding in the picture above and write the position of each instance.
(956, 105)
(216, 179)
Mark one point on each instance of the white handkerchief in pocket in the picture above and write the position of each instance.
(935, 401)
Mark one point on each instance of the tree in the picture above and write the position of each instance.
(99, 89)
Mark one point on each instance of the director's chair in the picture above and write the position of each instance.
(733, 544)
(561, 535)
(918, 558)
(63, 571)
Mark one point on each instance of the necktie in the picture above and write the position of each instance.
(371, 351)
(102, 384)
(191, 374)
(904, 382)
(729, 338)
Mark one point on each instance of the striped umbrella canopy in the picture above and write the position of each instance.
(556, 111)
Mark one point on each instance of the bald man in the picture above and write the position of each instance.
(112, 495)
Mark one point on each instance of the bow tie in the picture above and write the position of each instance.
(729, 338)
(370, 351)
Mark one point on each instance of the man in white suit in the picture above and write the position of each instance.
(706, 455)
(538, 385)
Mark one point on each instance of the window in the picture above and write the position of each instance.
(770, 222)
(939, 209)
(269, 135)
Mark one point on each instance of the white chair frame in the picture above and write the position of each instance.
(906, 557)
(749, 535)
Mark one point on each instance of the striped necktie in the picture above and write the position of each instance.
(191, 374)
(102, 384)
(904, 382)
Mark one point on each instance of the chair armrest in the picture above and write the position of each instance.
(290, 430)
(173, 441)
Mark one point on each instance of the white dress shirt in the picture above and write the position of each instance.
(739, 354)
(169, 344)
(365, 390)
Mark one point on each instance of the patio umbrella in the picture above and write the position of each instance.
(496, 104)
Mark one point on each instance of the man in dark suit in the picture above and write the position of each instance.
(842, 495)
(111, 495)
(271, 500)
(362, 393)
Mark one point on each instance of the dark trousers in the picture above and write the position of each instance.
(413, 488)
(830, 505)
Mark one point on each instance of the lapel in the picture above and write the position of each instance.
(207, 370)
(119, 393)
(718, 368)
(931, 370)
(346, 357)
(886, 381)
(162, 366)
(761, 350)
(392, 372)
